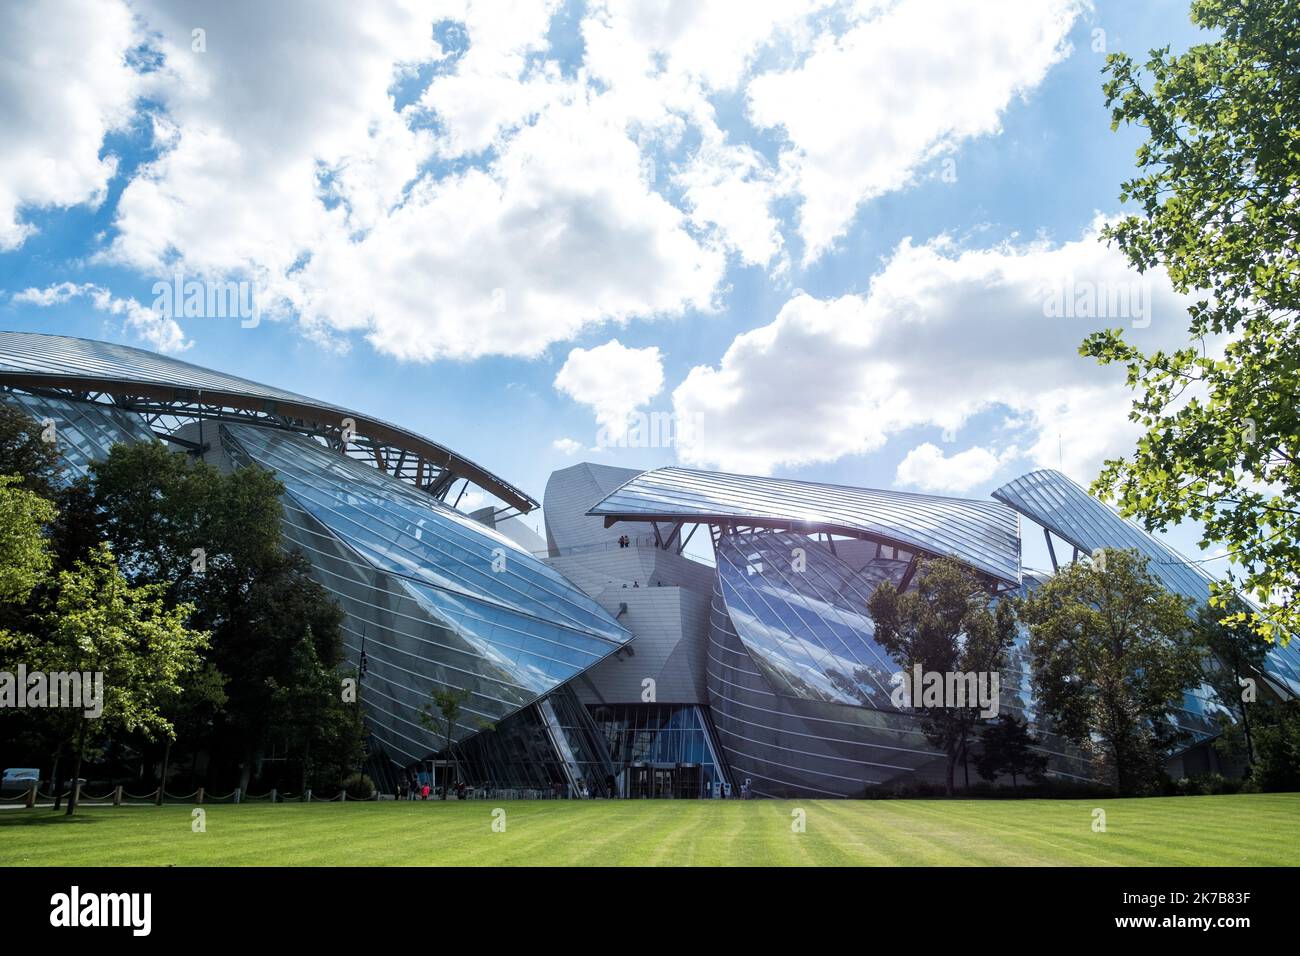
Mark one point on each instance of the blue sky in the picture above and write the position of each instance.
(821, 233)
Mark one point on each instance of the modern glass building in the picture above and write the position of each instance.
(626, 655)
(432, 598)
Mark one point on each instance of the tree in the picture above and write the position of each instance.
(1111, 654)
(1236, 652)
(156, 507)
(1278, 741)
(94, 621)
(25, 452)
(1007, 749)
(1218, 191)
(25, 557)
(944, 624)
(193, 708)
(442, 717)
(310, 713)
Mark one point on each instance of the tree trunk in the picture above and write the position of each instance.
(76, 773)
(54, 775)
(1250, 746)
(1121, 775)
(167, 754)
(445, 784)
(952, 769)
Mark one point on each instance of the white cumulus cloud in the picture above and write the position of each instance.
(941, 335)
(63, 86)
(613, 380)
(926, 467)
(161, 332)
(906, 84)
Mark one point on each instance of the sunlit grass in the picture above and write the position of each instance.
(1253, 829)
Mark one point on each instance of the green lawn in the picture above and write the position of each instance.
(1255, 829)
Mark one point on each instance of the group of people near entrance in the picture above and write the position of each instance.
(414, 787)
(417, 786)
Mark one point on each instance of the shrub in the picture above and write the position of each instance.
(359, 787)
(1277, 748)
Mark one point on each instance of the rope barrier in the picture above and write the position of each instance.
(111, 797)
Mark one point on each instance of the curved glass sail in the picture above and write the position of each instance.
(802, 612)
(982, 534)
(1053, 501)
(435, 598)
(35, 359)
(84, 431)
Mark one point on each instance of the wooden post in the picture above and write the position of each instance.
(76, 796)
(307, 796)
(200, 794)
(274, 795)
(344, 795)
(238, 794)
(31, 795)
(157, 796)
(117, 795)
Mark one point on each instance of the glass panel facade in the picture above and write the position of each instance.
(798, 686)
(85, 430)
(1053, 501)
(983, 534)
(435, 598)
(34, 356)
(549, 749)
(660, 750)
(802, 612)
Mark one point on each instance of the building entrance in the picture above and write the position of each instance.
(664, 781)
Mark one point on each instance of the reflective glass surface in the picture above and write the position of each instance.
(551, 748)
(650, 737)
(802, 612)
(85, 431)
(63, 356)
(982, 534)
(435, 598)
(1052, 500)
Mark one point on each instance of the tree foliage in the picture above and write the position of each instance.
(156, 507)
(26, 454)
(1112, 653)
(1218, 196)
(1278, 743)
(1007, 749)
(186, 543)
(92, 620)
(25, 556)
(1235, 654)
(945, 624)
